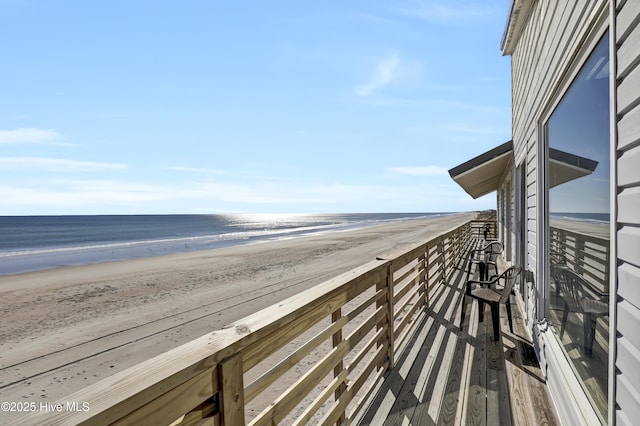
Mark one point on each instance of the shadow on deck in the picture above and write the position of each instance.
(445, 375)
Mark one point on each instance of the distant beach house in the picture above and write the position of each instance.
(568, 198)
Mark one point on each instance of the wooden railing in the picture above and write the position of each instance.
(585, 254)
(484, 229)
(341, 335)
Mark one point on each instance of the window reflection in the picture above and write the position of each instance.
(578, 182)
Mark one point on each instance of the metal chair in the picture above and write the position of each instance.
(484, 258)
(493, 297)
(492, 251)
(571, 286)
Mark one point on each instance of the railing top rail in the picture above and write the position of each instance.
(408, 250)
(138, 385)
(584, 236)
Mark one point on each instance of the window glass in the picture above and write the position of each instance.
(578, 251)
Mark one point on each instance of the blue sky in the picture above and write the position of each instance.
(128, 107)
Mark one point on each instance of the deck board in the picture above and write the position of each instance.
(444, 375)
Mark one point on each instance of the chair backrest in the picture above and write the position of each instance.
(510, 276)
(488, 253)
(494, 247)
(558, 258)
(570, 285)
(492, 250)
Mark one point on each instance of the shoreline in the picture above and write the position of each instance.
(69, 327)
(20, 261)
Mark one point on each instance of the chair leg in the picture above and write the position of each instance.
(508, 306)
(495, 268)
(591, 322)
(495, 317)
(464, 307)
(565, 315)
(482, 271)
(480, 311)
(587, 332)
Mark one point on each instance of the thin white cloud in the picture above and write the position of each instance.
(371, 17)
(30, 136)
(420, 171)
(384, 101)
(55, 164)
(265, 195)
(448, 12)
(83, 194)
(385, 73)
(197, 170)
(485, 130)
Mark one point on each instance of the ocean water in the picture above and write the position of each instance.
(31, 243)
(583, 217)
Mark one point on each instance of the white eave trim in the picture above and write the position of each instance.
(518, 16)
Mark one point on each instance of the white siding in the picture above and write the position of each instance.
(511, 219)
(541, 52)
(627, 393)
(541, 61)
(506, 213)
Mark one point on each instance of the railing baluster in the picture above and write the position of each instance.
(337, 370)
(230, 379)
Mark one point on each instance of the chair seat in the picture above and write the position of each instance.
(486, 293)
(594, 307)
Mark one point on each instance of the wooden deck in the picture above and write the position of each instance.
(447, 376)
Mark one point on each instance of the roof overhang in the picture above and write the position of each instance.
(518, 15)
(482, 174)
(565, 167)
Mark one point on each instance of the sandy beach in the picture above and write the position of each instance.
(66, 328)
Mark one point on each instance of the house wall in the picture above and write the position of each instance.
(505, 202)
(542, 64)
(502, 215)
(511, 209)
(627, 127)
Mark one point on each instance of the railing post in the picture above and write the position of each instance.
(421, 279)
(390, 316)
(607, 259)
(337, 370)
(230, 380)
(562, 247)
(580, 254)
(445, 253)
(426, 276)
(443, 263)
(388, 302)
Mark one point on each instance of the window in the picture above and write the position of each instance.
(577, 167)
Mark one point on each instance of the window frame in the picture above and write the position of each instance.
(571, 67)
